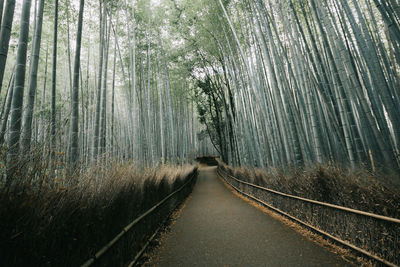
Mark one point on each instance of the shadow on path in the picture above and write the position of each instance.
(217, 228)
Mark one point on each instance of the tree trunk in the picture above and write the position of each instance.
(27, 125)
(1, 10)
(74, 156)
(100, 72)
(103, 118)
(5, 32)
(18, 94)
(113, 99)
(53, 90)
(6, 112)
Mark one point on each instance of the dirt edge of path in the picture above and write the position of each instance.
(344, 253)
(147, 259)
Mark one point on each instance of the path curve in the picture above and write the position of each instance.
(216, 228)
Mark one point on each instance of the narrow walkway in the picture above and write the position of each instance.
(216, 228)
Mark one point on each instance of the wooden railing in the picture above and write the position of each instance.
(160, 205)
(373, 235)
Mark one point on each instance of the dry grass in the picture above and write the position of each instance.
(357, 189)
(65, 222)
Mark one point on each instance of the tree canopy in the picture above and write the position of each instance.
(262, 83)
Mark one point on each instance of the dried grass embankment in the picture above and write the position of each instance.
(357, 190)
(43, 225)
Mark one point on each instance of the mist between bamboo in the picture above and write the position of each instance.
(47, 166)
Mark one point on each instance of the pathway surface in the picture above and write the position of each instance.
(216, 228)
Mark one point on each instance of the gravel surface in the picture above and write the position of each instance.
(217, 228)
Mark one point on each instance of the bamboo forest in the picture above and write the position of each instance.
(114, 112)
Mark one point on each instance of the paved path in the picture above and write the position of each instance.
(216, 228)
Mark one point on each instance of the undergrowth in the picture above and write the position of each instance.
(357, 188)
(63, 223)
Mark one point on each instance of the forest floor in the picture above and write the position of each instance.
(217, 228)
